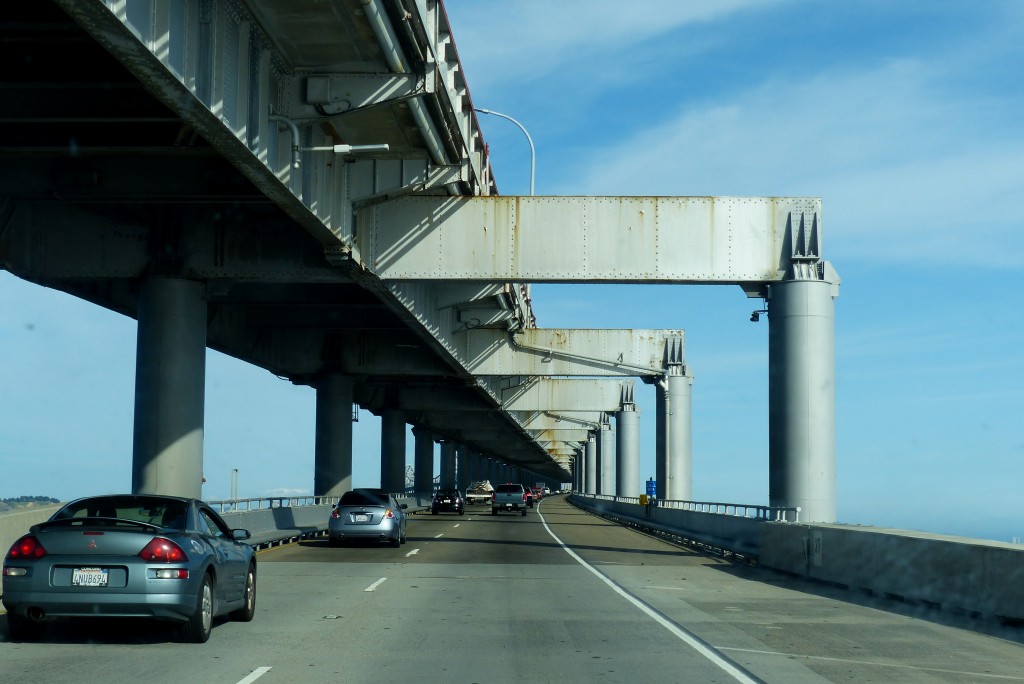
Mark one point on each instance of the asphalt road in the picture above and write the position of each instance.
(556, 596)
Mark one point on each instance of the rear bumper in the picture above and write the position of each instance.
(167, 606)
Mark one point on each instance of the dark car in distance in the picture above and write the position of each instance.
(448, 500)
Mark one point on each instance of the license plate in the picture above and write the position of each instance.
(361, 517)
(508, 505)
(447, 501)
(89, 577)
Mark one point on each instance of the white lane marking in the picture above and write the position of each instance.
(376, 584)
(692, 640)
(412, 553)
(254, 675)
(438, 536)
(456, 525)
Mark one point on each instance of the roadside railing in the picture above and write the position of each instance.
(755, 511)
(238, 505)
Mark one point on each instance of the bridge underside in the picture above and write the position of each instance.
(218, 144)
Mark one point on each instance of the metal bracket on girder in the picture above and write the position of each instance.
(338, 94)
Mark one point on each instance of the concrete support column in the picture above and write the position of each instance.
(423, 461)
(627, 470)
(674, 441)
(392, 451)
(606, 454)
(590, 460)
(170, 388)
(801, 398)
(447, 464)
(462, 467)
(332, 471)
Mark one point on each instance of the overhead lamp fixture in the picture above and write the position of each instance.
(756, 315)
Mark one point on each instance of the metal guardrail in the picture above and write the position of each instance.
(754, 511)
(239, 505)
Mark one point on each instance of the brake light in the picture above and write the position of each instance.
(389, 514)
(335, 514)
(163, 551)
(524, 495)
(494, 496)
(25, 548)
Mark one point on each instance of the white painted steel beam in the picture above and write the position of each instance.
(567, 352)
(547, 394)
(549, 420)
(594, 239)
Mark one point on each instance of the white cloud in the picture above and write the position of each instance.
(904, 175)
(530, 40)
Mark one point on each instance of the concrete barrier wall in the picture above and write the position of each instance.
(955, 574)
(728, 532)
(13, 524)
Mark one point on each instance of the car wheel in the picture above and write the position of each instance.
(524, 512)
(397, 541)
(462, 511)
(433, 511)
(248, 609)
(494, 511)
(20, 628)
(196, 629)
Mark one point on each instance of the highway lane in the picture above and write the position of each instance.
(481, 598)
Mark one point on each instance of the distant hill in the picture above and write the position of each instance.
(26, 502)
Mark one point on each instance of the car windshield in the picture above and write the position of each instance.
(150, 510)
(363, 497)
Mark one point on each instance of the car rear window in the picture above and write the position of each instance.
(508, 489)
(363, 498)
(138, 508)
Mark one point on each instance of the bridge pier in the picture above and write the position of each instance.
(801, 398)
(332, 472)
(423, 461)
(606, 456)
(627, 462)
(590, 476)
(448, 449)
(674, 441)
(392, 450)
(462, 467)
(170, 388)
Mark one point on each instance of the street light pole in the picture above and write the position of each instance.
(533, 155)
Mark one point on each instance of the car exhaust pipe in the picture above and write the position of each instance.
(35, 614)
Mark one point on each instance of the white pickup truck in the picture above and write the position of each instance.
(479, 492)
(509, 497)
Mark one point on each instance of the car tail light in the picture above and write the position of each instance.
(163, 550)
(389, 514)
(494, 496)
(524, 496)
(25, 548)
(335, 514)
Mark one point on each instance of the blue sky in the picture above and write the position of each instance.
(904, 117)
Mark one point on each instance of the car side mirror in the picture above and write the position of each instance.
(239, 535)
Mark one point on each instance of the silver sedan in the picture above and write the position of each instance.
(128, 555)
(367, 514)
